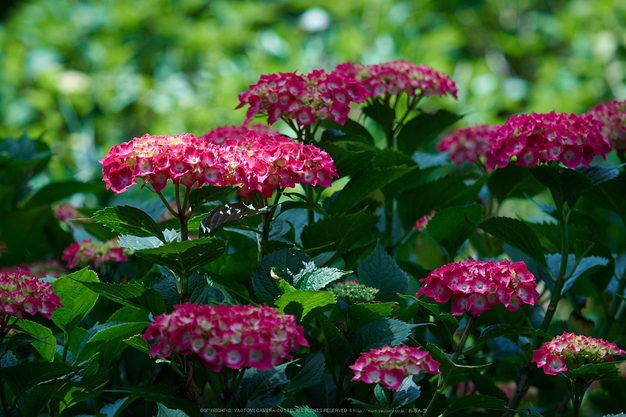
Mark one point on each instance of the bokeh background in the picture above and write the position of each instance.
(85, 75)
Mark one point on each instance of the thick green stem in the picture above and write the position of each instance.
(441, 383)
(310, 194)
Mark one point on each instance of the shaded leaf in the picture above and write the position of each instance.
(208, 193)
(362, 313)
(476, 401)
(128, 220)
(45, 344)
(76, 299)
(517, 234)
(310, 373)
(347, 162)
(562, 182)
(338, 346)
(424, 128)
(289, 261)
(129, 293)
(227, 213)
(379, 270)
(381, 332)
(451, 227)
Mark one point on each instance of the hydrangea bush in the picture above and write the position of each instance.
(370, 256)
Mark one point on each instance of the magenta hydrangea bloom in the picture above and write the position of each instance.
(390, 365)
(219, 134)
(423, 221)
(22, 293)
(467, 144)
(567, 138)
(87, 252)
(575, 350)
(235, 336)
(396, 77)
(256, 161)
(613, 118)
(477, 286)
(40, 269)
(303, 99)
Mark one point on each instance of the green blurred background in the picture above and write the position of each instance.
(86, 75)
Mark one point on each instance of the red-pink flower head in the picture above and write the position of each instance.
(477, 286)
(87, 252)
(303, 99)
(158, 159)
(219, 134)
(235, 336)
(613, 118)
(390, 365)
(567, 138)
(263, 162)
(22, 293)
(575, 351)
(423, 221)
(396, 77)
(468, 144)
(40, 269)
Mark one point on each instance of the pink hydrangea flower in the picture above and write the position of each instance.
(613, 118)
(477, 286)
(303, 99)
(467, 144)
(219, 134)
(235, 336)
(22, 293)
(390, 365)
(256, 161)
(567, 138)
(41, 269)
(574, 350)
(87, 252)
(423, 221)
(66, 212)
(395, 77)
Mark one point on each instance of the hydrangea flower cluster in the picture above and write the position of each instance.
(87, 252)
(423, 221)
(219, 134)
(304, 99)
(390, 365)
(575, 350)
(353, 292)
(66, 212)
(41, 269)
(263, 162)
(477, 286)
(256, 161)
(235, 336)
(395, 77)
(467, 144)
(21, 293)
(567, 138)
(613, 117)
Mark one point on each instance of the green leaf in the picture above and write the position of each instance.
(513, 181)
(138, 343)
(610, 196)
(502, 330)
(208, 193)
(592, 371)
(338, 346)
(586, 266)
(137, 243)
(24, 376)
(185, 258)
(449, 321)
(318, 278)
(230, 284)
(362, 314)
(130, 314)
(424, 128)
(310, 373)
(347, 162)
(302, 411)
(130, 294)
(379, 270)
(381, 332)
(406, 393)
(289, 261)
(448, 368)
(108, 342)
(452, 226)
(226, 213)
(337, 232)
(476, 401)
(76, 299)
(260, 389)
(381, 397)
(40, 396)
(129, 221)
(307, 299)
(381, 114)
(163, 394)
(169, 412)
(517, 234)
(562, 182)
(45, 344)
(350, 127)
(365, 183)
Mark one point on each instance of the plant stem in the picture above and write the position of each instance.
(310, 194)
(441, 383)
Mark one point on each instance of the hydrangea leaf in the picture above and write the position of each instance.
(347, 162)
(422, 129)
(452, 226)
(45, 342)
(502, 330)
(476, 401)
(380, 332)
(319, 278)
(362, 313)
(77, 300)
(517, 234)
(208, 193)
(306, 299)
(169, 412)
(310, 373)
(24, 376)
(258, 389)
(406, 393)
(129, 293)
(227, 213)
(185, 258)
(108, 342)
(128, 220)
(562, 182)
(379, 270)
(289, 261)
(338, 346)
(381, 114)
(350, 127)
(138, 343)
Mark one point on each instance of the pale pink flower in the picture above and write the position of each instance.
(613, 118)
(22, 293)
